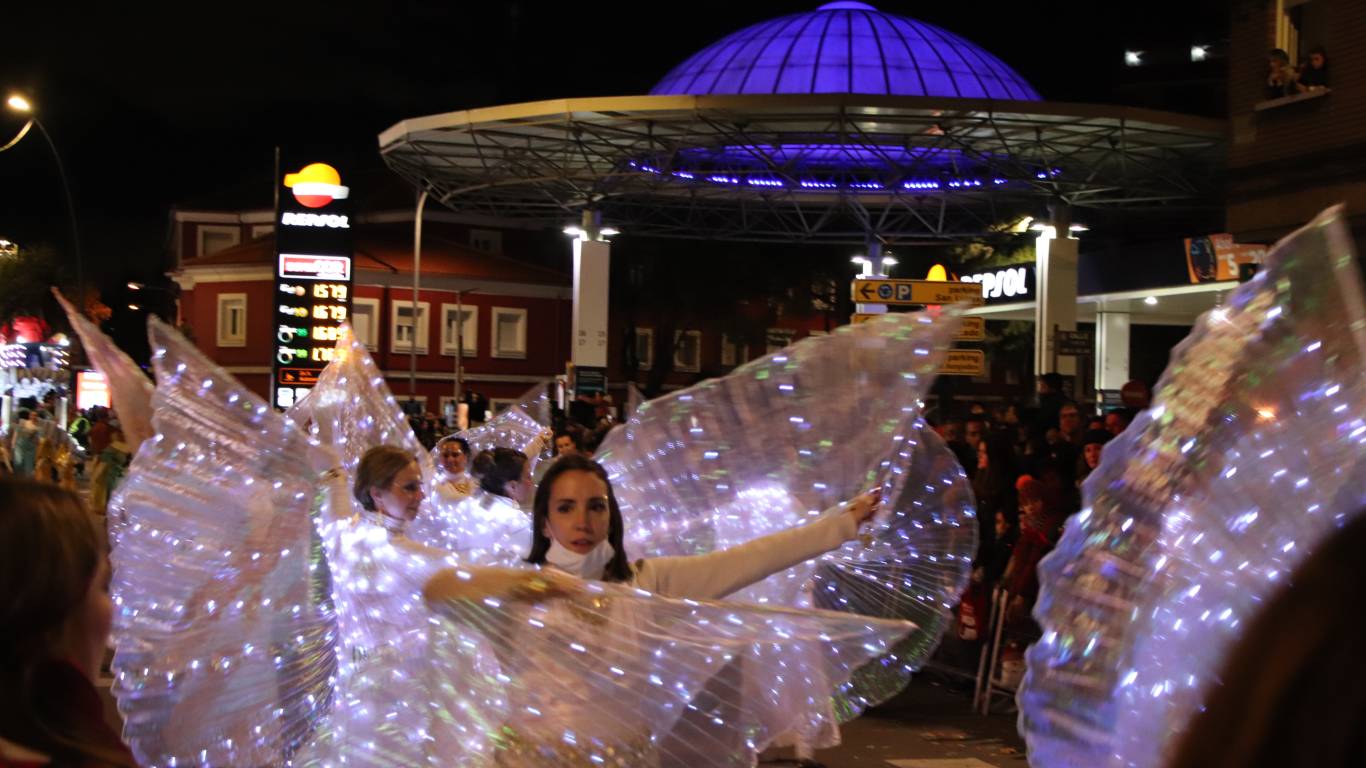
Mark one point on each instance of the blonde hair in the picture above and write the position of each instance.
(377, 469)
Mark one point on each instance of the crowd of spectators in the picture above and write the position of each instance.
(1284, 79)
(1026, 465)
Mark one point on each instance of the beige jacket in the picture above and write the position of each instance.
(717, 574)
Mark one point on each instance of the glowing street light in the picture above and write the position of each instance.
(22, 105)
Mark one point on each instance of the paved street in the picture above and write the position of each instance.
(927, 726)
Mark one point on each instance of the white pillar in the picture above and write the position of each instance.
(1055, 269)
(592, 268)
(1112, 350)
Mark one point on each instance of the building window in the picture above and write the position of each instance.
(213, 239)
(365, 321)
(401, 323)
(777, 338)
(261, 230)
(645, 348)
(405, 403)
(733, 351)
(486, 240)
(509, 332)
(463, 330)
(688, 351)
(232, 319)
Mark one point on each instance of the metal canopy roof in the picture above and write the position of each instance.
(812, 168)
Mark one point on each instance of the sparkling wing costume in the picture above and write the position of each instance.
(1254, 452)
(262, 621)
(352, 410)
(129, 387)
(223, 633)
(516, 426)
(784, 437)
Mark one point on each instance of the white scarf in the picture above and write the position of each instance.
(589, 566)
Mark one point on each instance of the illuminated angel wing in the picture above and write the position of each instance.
(617, 677)
(224, 639)
(129, 387)
(787, 436)
(1251, 455)
(352, 410)
(516, 426)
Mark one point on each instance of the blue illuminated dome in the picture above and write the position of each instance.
(846, 47)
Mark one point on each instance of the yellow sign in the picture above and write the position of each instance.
(964, 362)
(972, 329)
(923, 292)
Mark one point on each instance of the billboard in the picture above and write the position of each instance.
(1216, 257)
(313, 270)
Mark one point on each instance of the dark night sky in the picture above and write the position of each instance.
(184, 104)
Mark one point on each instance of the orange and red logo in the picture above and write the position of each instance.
(316, 185)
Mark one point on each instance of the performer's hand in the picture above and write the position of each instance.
(322, 458)
(864, 506)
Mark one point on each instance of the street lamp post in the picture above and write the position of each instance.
(22, 105)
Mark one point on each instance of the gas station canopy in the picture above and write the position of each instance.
(805, 168)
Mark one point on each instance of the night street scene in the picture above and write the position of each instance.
(858, 385)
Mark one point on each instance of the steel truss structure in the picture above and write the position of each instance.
(817, 168)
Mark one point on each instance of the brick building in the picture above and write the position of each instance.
(515, 313)
(1291, 156)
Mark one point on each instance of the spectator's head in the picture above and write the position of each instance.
(1031, 495)
(389, 482)
(455, 454)
(1318, 57)
(1278, 59)
(1011, 414)
(952, 430)
(501, 472)
(1095, 422)
(53, 603)
(1091, 446)
(1052, 436)
(568, 442)
(1069, 419)
(1005, 523)
(975, 429)
(27, 415)
(1050, 384)
(995, 452)
(1116, 422)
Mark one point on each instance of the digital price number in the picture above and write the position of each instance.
(312, 305)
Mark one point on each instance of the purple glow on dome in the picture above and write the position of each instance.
(846, 47)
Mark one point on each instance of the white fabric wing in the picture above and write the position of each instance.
(223, 631)
(1251, 455)
(783, 438)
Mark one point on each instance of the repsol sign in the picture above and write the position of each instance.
(1004, 285)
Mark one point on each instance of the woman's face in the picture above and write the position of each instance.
(1092, 453)
(579, 516)
(452, 458)
(87, 628)
(982, 461)
(402, 497)
(1002, 527)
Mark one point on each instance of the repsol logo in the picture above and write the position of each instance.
(315, 220)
